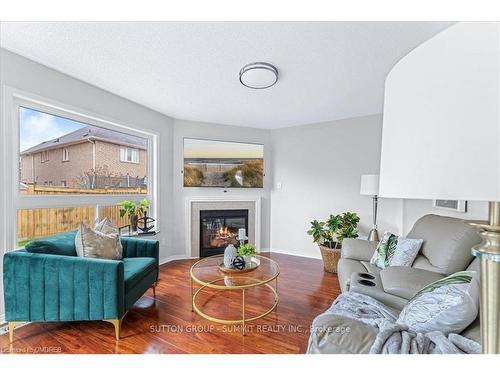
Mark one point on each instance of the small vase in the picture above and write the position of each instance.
(229, 255)
(133, 223)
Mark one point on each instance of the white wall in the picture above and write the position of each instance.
(27, 75)
(319, 168)
(190, 129)
(416, 208)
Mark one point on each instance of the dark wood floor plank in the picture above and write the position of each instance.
(166, 324)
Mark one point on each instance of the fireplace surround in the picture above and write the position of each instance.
(196, 204)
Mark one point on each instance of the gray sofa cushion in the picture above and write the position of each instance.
(353, 248)
(447, 242)
(423, 263)
(405, 282)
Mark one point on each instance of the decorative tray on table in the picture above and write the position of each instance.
(254, 263)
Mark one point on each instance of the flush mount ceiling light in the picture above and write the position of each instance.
(258, 75)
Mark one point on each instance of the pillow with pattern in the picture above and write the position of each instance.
(395, 251)
(448, 305)
(90, 243)
(106, 226)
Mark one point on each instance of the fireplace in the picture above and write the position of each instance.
(219, 228)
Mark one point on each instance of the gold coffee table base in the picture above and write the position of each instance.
(254, 282)
(243, 319)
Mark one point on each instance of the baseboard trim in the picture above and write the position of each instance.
(262, 250)
(293, 252)
(174, 257)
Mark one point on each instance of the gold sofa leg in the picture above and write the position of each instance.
(154, 288)
(117, 323)
(12, 327)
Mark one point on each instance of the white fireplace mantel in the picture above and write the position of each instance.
(190, 252)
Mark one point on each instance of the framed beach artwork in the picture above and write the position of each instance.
(209, 163)
(453, 205)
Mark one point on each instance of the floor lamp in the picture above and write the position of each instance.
(441, 139)
(369, 186)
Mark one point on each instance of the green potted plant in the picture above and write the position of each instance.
(246, 251)
(133, 210)
(329, 235)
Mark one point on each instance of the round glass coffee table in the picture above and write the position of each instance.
(208, 275)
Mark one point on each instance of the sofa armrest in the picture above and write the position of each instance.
(46, 287)
(138, 247)
(353, 248)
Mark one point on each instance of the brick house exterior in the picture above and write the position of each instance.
(86, 158)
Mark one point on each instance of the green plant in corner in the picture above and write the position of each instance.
(246, 249)
(332, 232)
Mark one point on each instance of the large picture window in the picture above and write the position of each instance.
(97, 157)
(210, 163)
(66, 168)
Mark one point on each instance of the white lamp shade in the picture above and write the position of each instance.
(369, 184)
(441, 130)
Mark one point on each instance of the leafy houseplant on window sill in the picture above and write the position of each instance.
(133, 210)
(329, 235)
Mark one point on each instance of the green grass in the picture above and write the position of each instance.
(252, 172)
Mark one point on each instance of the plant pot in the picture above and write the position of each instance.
(133, 223)
(330, 258)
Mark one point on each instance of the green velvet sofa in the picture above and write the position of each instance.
(48, 282)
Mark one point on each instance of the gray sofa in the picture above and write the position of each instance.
(446, 249)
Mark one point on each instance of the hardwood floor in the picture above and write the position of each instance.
(167, 325)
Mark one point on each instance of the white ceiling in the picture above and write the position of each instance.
(328, 70)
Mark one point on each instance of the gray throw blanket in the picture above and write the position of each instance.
(395, 338)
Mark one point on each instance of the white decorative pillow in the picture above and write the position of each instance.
(448, 305)
(93, 244)
(395, 251)
(105, 226)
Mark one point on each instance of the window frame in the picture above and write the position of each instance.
(124, 154)
(14, 200)
(44, 156)
(65, 154)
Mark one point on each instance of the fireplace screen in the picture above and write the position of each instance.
(219, 228)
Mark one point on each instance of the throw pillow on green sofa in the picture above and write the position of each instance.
(60, 244)
(93, 244)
